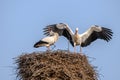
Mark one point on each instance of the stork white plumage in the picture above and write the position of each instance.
(93, 33)
(47, 41)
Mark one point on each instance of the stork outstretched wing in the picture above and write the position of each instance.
(96, 32)
(62, 30)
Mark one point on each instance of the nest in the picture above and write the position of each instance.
(55, 65)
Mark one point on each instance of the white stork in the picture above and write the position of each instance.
(93, 33)
(47, 41)
(61, 29)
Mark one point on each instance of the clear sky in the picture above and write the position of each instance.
(22, 21)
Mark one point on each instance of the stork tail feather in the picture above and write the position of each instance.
(39, 43)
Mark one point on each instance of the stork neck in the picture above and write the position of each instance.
(76, 32)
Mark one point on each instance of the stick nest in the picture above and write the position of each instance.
(54, 65)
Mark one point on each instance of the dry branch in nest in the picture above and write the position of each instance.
(55, 65)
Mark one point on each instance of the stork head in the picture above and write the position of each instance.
(76, 30)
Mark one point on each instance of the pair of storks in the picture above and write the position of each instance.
(54, 31)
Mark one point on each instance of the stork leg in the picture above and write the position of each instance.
(68, 46)
(74, 49)
(53, 46)
(80, 49)
(48, 48)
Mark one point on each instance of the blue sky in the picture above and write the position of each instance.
(21, 23)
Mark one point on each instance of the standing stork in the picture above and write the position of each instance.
(93, 33)
(47, 41)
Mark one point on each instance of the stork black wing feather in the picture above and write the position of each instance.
(53, 28)
(68, 36)
(105, 34)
